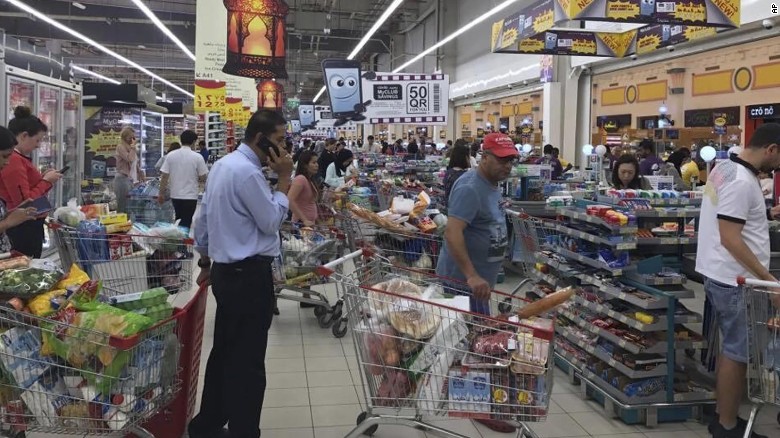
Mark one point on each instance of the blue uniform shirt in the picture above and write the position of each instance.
(240, 215)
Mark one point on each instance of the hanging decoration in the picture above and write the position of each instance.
(256, 37)
(270, 94)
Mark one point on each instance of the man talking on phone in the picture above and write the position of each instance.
(237, 235)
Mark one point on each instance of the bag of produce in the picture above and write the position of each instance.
(381, 343)
(70, 215)
(75, 277)
(28, 281)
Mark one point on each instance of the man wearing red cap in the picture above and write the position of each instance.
(475, 240)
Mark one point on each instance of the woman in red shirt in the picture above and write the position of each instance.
(20, 180)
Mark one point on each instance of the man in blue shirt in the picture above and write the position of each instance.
(650, 162)
(237, 235)
(475, 240)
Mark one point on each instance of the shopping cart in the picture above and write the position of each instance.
(142, 205)
(424, 354)
(127, 263)
(761, 301)
(304, 249)
(58, 376)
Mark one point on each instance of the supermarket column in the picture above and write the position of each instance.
(734, 241)
(475, 239)
(238, 229)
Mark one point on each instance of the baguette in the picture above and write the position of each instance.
(546, 304)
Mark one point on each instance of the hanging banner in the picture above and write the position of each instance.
(209, 96)
(541, 28)
(406, 98)
(211, 55)
(234, 109)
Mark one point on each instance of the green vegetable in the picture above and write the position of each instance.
(28, 281)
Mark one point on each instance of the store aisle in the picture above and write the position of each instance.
(314, 391)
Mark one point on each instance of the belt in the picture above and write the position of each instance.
(250, 261)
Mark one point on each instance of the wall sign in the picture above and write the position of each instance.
(613, 123)
(766, 111)
(703, 118)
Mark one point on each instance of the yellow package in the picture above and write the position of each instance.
(423, 201)
(41, 305)
(75, 277)
(119, 228)
(113, 218)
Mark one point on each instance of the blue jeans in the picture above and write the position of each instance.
(728, 303)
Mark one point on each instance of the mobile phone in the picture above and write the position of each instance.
(64, 169)
(342, 78)
(306, 114)
(265, 145)
(41, 205)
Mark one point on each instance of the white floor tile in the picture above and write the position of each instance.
(286, 339)
(332, 432)
(336, 415)
(344, 395)
(597, 423)
(323, 350)
(319, 379)
(286, 380)
(284, 365)
(282, 398)
(290, 433)
(326, 364)
(572, 403)
(284, 352)
(668, 434)
(463, 427)
(285, 418)
(556, 426)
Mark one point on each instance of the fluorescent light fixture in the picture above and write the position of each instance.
(41, 16)
(163, 99)
(148, 12)
(79, 5)
(94, 74)
(457, 33)
(363, 41)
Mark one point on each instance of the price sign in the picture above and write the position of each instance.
(247, 116)
(234, 109)
(209, 96)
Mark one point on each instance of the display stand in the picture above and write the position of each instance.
(214, 130)
(627, 326)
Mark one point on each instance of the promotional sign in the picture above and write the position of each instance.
(719, 121)
(102, 126)
(295, 126)
(172, 129)
(209, 95)
(211, 56)
(541, 28)
(325, 120)
(406, 98)
(234, 109)
(546, 69)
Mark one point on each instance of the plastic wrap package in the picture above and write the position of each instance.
(28, 281)
(378, 304)
(70, 215)
(380, 341)
(493, 344)
(92, 243)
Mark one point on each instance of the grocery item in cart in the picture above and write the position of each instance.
(380, 341)
(28, 281)
(14, 263)
(547, 303)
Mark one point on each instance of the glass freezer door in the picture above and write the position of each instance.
(48, 153)
(71, 185)
(21, 92)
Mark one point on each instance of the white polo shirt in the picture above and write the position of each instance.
(733, 193)
(184, 166)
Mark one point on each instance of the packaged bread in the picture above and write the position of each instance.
(414, 323)
(547, 303)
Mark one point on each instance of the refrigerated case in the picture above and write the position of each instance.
(58, 104)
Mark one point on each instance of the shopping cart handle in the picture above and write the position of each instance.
(327, 269)
(742, 281)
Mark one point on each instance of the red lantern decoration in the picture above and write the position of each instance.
(270, 94)
(255, 38)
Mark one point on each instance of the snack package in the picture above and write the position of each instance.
(94, 211)
(47, 303)
(401, 205)
(423, 201)
(75, 277)
(140, 300)
(28, 281)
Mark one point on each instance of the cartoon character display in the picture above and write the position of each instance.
(550, 40)
(647, 8)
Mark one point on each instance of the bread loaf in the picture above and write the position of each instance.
(546, 304)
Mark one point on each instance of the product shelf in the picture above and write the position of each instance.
(658, 202)
(618, 245)
(658, 371)
(660, 213)
(574, 214)
(678, 240)
(589, 261)
(660, 324)
(655, 280)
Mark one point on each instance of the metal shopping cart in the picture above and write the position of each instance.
(59, 377)
(304, 249)
(761, 301)
(142, 205)
(424, 354)
(127, 263)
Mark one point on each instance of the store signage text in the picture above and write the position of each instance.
(768, 111)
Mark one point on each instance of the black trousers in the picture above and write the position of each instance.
(234, 386)
(185, 209)
(27, 238)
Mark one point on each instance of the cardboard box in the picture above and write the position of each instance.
(113, 218)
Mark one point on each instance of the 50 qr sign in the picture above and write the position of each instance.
(407, 98)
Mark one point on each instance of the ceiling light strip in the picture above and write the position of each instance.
(457, 33)
(39, 15)
(94, 74)
(148, 12)
(367, 37)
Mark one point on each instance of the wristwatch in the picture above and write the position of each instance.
(204, 263)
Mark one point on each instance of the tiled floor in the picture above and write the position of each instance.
(314, 391)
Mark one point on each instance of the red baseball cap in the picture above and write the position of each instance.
(500, 145)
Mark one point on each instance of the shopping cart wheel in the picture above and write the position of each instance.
(325, 320)
(320, 310)
(371, 430)
(340, 327)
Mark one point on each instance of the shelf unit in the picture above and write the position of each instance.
(618, 292)
(213, 129)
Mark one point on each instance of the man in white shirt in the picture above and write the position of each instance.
(183, 172)
(734, 242)
(371, 147)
